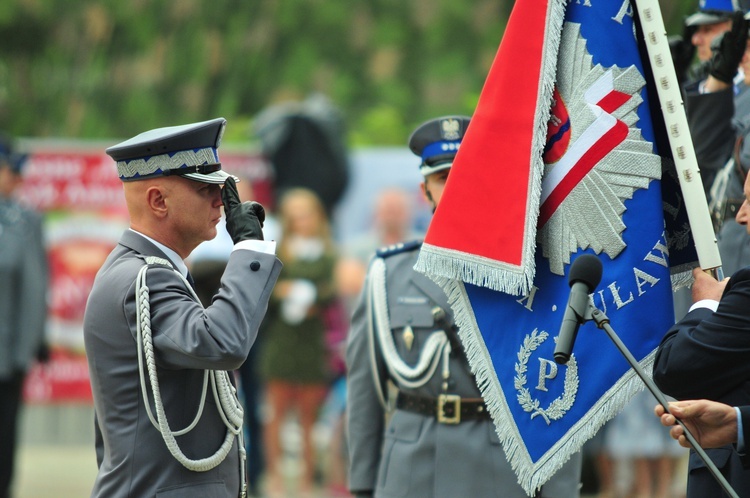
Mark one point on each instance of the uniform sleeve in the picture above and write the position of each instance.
(219, 337)
(705, 354)
(710, 123)
(365, 414)
(745, 422)
(33, 300)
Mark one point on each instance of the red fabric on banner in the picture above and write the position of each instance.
(496, 140)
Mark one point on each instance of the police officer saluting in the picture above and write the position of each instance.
(439, 440)
(168, 422)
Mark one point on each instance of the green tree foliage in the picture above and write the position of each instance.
(113, 68)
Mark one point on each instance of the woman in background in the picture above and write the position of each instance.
(295, 361)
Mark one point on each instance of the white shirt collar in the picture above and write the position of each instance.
(173, 256)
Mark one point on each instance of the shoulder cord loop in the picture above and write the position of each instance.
(379, 388)
(228, 405)
(420, 374)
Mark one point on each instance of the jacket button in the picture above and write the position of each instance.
(255, 265)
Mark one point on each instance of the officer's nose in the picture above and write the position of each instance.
(742, 215)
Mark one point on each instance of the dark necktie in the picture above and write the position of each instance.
(190, 280)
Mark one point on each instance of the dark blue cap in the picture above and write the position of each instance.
(188, 150)
(436, 142)
(8, 155)
(713, 12)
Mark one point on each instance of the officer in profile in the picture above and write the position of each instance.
(438, 439)
(700, 30)
(712, 18)
(154, 351)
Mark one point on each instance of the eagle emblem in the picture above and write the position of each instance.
(450, 129)
(595, 157)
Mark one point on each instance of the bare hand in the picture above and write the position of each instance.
(712, 424)
(706, 286)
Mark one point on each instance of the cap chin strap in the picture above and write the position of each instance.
(428, 169)
(202, 169)
(228, 405)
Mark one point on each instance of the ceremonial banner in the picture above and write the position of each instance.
(559, 160)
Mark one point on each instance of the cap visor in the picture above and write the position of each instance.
(217, 177)
(702, 18)
(428, 170)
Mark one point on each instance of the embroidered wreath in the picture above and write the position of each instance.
(559, 405)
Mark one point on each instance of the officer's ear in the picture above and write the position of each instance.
(156, 200)
(426, 193)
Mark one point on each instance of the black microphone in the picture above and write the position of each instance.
(585, 275)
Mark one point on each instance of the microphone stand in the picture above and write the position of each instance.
(602, 321)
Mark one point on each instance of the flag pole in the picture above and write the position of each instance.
(602, 321)
(680, 141)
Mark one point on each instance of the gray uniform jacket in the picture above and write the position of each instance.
(133, 459)
(712, 132)
(413, 455)
(23, 288)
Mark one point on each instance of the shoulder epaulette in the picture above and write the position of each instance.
(391, 250)
(155, 260)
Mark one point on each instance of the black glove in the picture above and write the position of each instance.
(683, 52)
(729, 49)
(244, 220)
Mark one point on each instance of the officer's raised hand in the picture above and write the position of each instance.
(244, 219)
(683, 52)
(731, 47)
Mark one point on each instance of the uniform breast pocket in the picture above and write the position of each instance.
(411, 325)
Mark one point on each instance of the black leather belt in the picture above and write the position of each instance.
(446, 408)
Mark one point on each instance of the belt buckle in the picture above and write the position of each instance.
(449, 399)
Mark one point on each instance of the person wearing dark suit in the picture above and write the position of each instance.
(154, 351)
(434, 438)
(711, 423)
(23, 302)
(705, 355)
